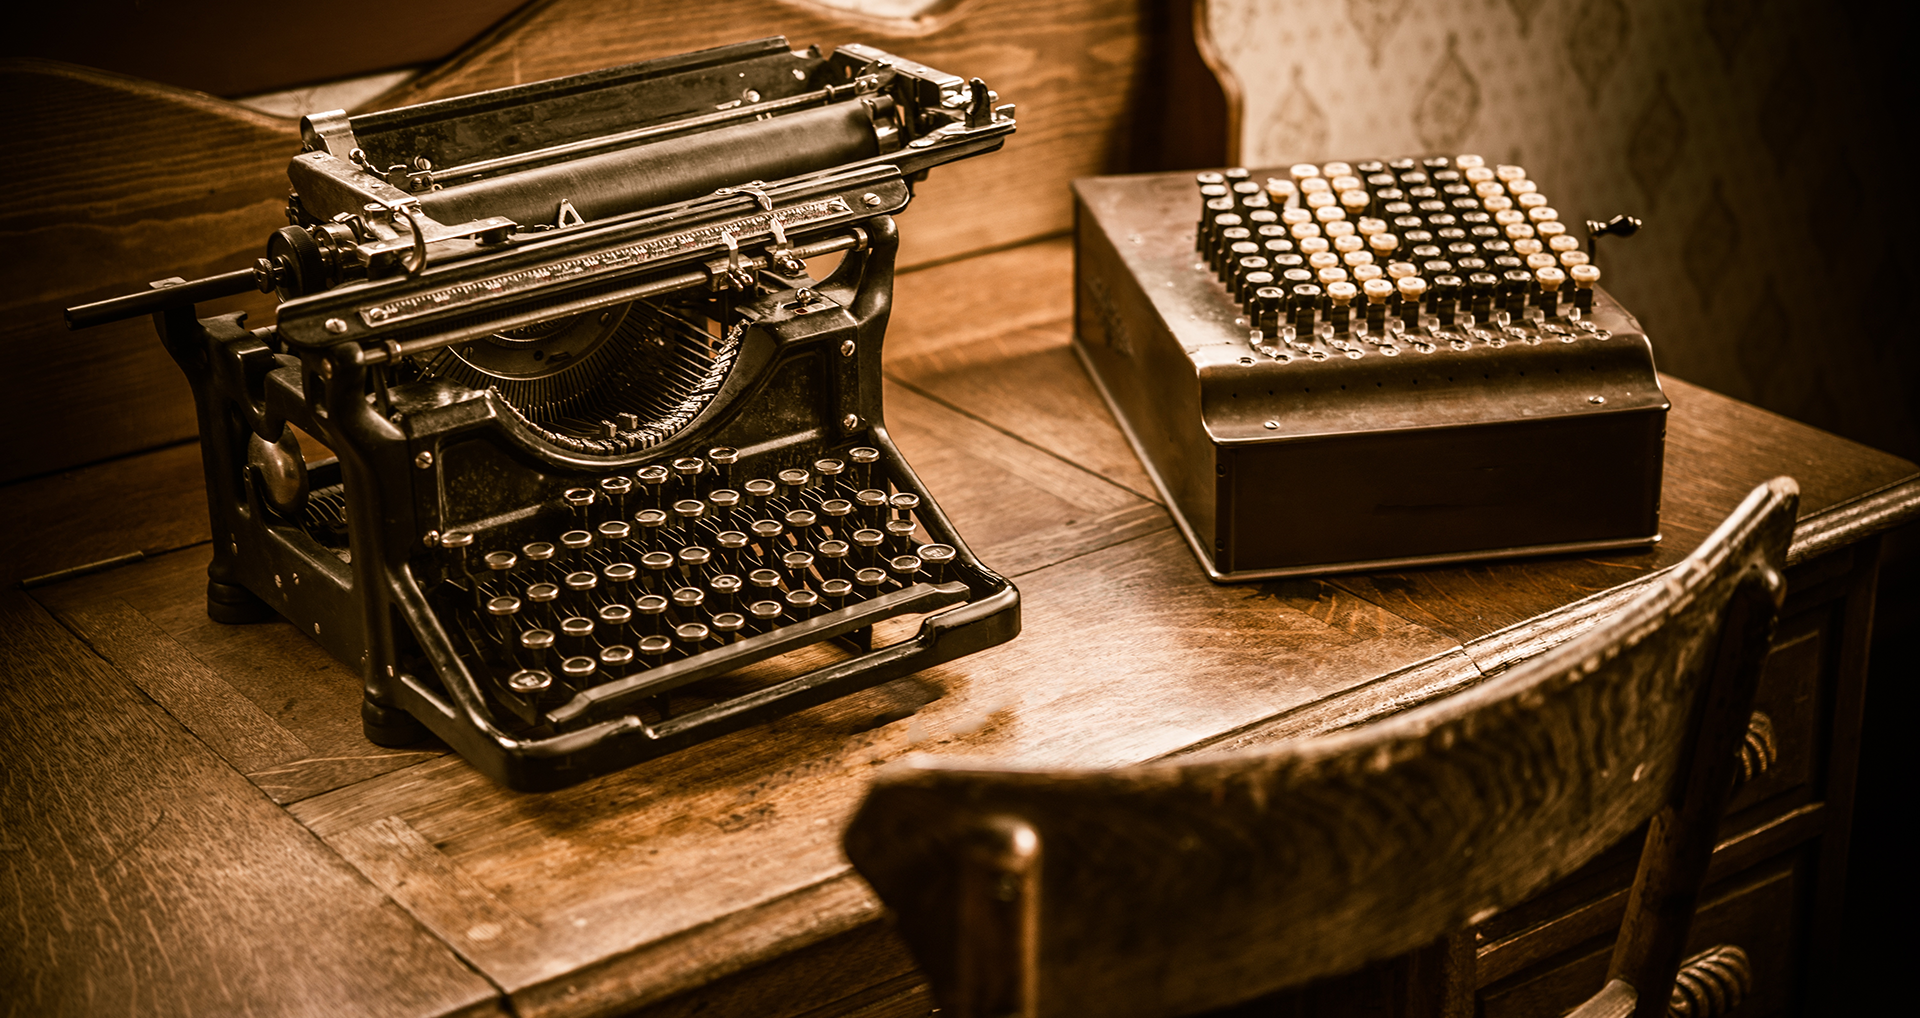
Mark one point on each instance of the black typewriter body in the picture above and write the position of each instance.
(611, 473)
(1463, 415)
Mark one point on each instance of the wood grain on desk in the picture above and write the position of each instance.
(712, 879)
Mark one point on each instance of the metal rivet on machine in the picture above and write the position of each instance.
(336, 325)
(1596, 400)
(424, 460)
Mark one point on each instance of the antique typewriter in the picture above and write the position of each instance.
(610, 470)
(1369, 365)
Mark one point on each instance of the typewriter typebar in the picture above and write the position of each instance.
(610, 474)
(1368, 365)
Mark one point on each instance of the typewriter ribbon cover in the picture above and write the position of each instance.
(611, 470)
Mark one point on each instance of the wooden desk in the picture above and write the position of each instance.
(194, 824)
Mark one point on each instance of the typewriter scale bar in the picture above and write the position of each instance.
(1329, 454)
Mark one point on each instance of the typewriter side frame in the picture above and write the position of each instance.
(374, 613)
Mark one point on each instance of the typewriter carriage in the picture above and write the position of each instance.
(467, 377)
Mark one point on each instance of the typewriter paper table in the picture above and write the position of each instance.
(194, 823)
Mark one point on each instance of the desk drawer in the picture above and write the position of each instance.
(1757, 911)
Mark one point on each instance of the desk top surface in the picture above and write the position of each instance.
(194, 823)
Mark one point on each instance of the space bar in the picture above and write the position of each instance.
(609, 696)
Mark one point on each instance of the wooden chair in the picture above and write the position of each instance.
(1173, 888)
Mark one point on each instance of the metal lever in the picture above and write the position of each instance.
(168, 294)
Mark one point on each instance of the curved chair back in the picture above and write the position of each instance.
(1173, 888)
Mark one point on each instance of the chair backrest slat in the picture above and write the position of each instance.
(1171, 888)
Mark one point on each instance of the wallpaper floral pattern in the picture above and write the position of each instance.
(1750, 135)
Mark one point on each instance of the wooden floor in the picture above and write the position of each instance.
(194, 824)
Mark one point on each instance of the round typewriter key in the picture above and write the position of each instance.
(764, 613)
(576, 543)
(617, 656)
(620, 576)
(799, 522)
(1570, 257)
(1540, 260)
(653, 479)
(579, 668)
(616, 489)
(656, 564)
(725, 587)
(651, 608)
(579, 500)
(732, 543)
(1311, 246)
(867, 580)
(870, 501)
(868, 541)
(694, 557)
(767, 530)
(836, 590)
(758, 491)
(537, 640)
(836, 510)
(830, 471)
(723, 501)
(1259, 219)
(835, 553)
(1401, 270)
(727, 625)
(615, 614)
(537, 554)
(1322, 260)
(686, 599)
(1303, 171)
(1213, 190)
(802, 602)
(1296, 217)
(654, 646)
(688, 467)
(1332, 275)
(576, 633)
(1281, 192)
(1208, 177)
(938, 557)
(1365, 270)
(792, 480)
(540, 598)
(499, 562)
(582, 582)
(797, 564)
(505, 610)
(1436, 267)
(529, 680)
(763, 579)
(613, 536)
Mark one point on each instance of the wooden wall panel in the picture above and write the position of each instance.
(112, 182)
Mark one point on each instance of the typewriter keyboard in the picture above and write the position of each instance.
(1381, 256)
(654, 582)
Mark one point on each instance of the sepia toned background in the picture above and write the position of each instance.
(1751, 136)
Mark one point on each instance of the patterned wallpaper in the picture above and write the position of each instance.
(1748, 134)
